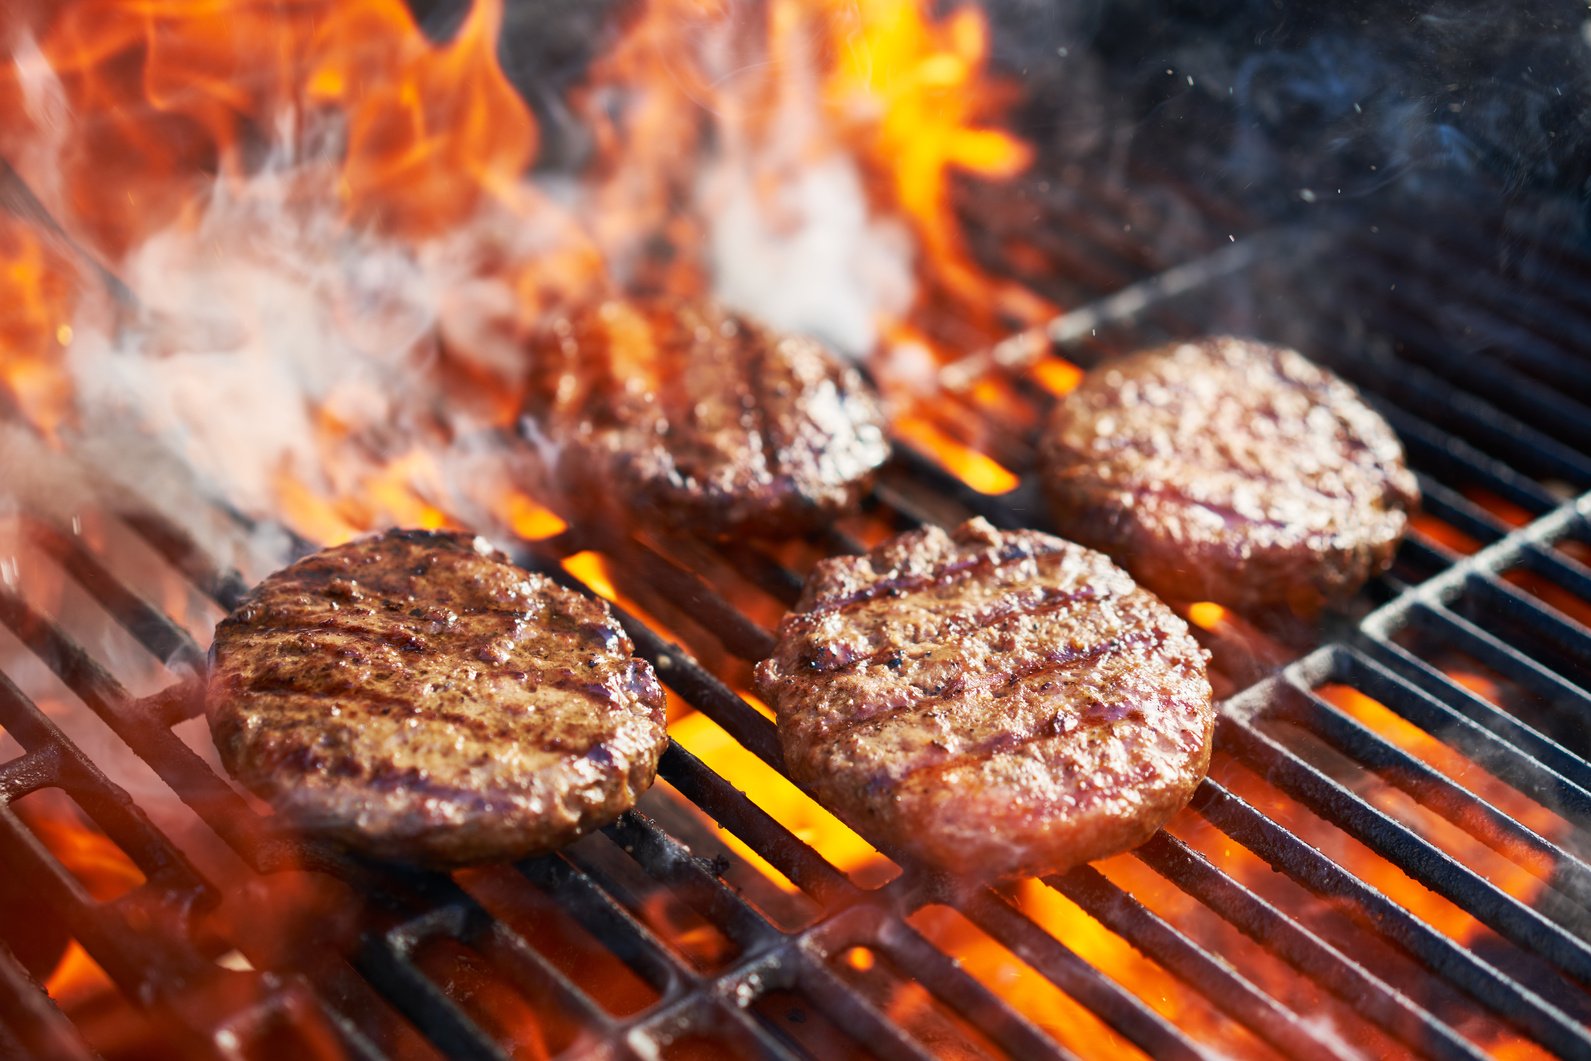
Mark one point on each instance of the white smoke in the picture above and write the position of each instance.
(265, 329)
(808, 258)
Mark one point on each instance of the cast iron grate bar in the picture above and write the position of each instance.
(1506, 748)
(1431, 788)
(1390, 1009)
(166, 640)
(980, 1007)
(1404, 847)
(1547, 685)
(1453, 508)
(1193, 964)
(1466, 449)
(1510, 998)
(134, 938)
(1106, 999)
(1482, 376)
(30, 1024)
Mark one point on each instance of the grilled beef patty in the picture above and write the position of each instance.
(699, 418)
(1231, 471)
(416, 696)
(994, 702)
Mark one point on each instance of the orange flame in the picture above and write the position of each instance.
(171, 90)
(91, 856)
(785, 803)
(104, 872)
(130, 118)
(35, 326)
(913, 92)
(430, 129)
(393, 494)
(77, 978)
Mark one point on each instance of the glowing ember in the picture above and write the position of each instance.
(787, 804)
(338, 245)
(1206, 614)
(35, 328)
(978, 470)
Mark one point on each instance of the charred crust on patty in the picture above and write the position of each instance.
(415, 695)
(701, 419)
(1232, 471)
(990, 702)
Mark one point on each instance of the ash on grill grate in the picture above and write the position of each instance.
(1387, 855)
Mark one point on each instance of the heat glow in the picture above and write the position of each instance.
(373, 190)
(363, 172)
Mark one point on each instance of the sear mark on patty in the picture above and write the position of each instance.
(415, 695)
(1232, 471)
(1020, 705)
(685, 413)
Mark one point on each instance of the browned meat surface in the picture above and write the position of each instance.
(992, 702)
(1231, 471)
(684, 413)
(416, 696)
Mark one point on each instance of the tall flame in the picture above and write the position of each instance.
(913, 94)
(369, 190)
(335, 148)
(35, 330)
(157, 96)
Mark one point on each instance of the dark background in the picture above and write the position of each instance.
(1341, 99)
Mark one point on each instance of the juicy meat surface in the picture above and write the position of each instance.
(699, 418)
(417, 696)
(993, 702)
(1232, 471)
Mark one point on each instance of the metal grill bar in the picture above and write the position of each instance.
(1511, 751)
(1233, 994)
(167, 641)
(1378, 1000)
(1112, 1003)
(1554, 692)
(1502, 388)
(1433, 789)
(1399, 844)
(30, 1026)
(177, 764)
(1475, 442)
(980, 1007)
(1286, 853)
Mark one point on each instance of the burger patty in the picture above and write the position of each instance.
(417, 696)
(1232, 471)
(992, 702)
(699, 418)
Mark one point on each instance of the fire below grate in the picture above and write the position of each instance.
(1388, 856)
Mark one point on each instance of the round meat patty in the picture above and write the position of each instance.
(991, 702)
(699, 418)
(417, 696)
(1232, 471)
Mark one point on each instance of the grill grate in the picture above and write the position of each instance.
(1498, 439)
